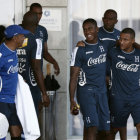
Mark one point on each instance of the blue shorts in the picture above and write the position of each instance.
(36, 94)
(94, 108)
(9, 110)
(121, 109)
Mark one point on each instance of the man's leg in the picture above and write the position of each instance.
(85, 133)
(15, 132)
(138, 130)
(123, 133)
(113, 132)
(90, 133)
(103, 135)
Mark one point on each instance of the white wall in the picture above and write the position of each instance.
(11, 11)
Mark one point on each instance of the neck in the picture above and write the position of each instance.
(11, 45)
(128, 50)
(30, 28)
(109, 30)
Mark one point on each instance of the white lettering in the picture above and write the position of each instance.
(13, 69)
(21, 52)
(98, 60)
(131, 67)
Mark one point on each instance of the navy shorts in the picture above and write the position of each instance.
(36, 95)
(94, 108)
(121, 109)
(9, 110)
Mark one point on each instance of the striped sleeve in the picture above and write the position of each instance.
(76, 58)
(39, 49)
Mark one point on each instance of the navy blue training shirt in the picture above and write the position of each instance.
(31, 49)
(8, 74)
(92, 61)
(103, 34)
(125, 72)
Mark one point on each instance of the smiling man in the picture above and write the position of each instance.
(90, 62)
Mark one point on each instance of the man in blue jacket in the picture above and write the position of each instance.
(9, 77)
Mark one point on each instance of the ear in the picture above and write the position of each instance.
(15, 38)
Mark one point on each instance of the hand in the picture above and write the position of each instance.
(74, 108)
(57, 69)
(80, 44)
(46, 100)
(40, 106)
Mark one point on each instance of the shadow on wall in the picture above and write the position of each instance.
(77, 32)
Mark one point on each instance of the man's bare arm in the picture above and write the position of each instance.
(74, 72)
(36, 66)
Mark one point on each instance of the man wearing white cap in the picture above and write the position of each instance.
(9, 77)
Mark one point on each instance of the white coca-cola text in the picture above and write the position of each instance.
(131, 67)
(98, 60)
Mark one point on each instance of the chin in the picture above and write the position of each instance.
(123, 49)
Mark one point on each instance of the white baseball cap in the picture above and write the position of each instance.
(4, 125)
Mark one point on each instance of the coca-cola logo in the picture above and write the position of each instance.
(12, 69)
(98, 60)
(127, 67)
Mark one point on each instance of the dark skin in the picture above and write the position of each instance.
(46, 55)
(126, 44)
(90, 32)
(109, 20)
(30, 21)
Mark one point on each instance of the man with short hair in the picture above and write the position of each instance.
(108, 30)
(125, 91)
(90, 62)
(30, 56)
(9, 77)
(41, 33)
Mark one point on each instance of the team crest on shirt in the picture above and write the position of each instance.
(41, 33)
(118, 37)
(25, 43)
(101, 48)
(137, 59)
